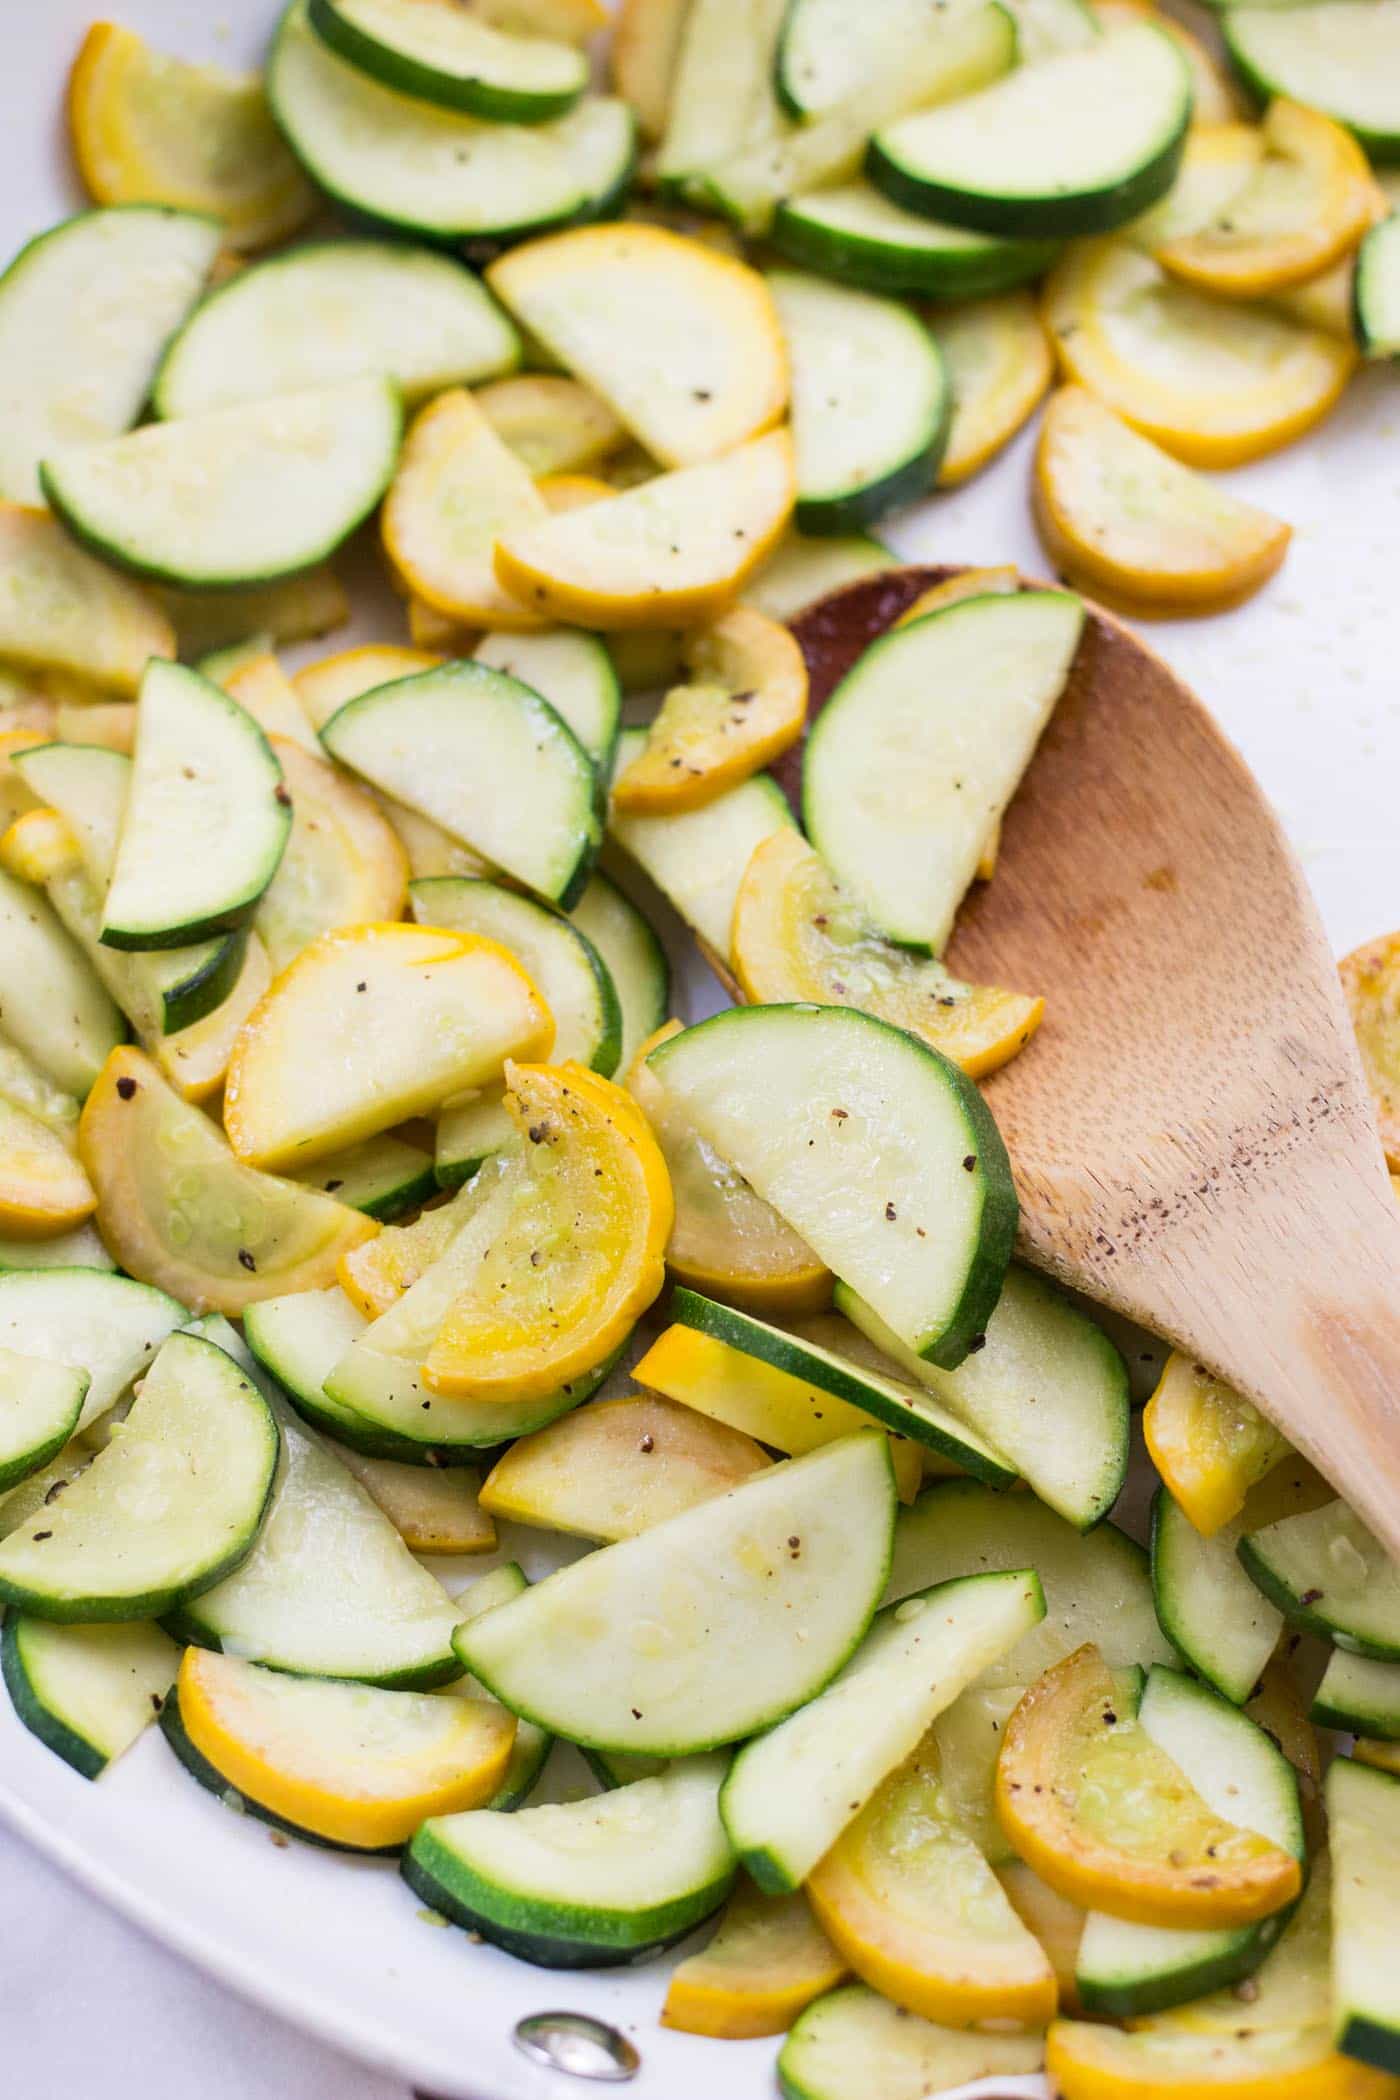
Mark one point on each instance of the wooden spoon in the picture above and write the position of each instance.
(1192, 1137)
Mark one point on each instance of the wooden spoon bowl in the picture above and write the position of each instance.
(1192, 1137)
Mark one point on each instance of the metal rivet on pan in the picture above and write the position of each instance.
(578, 2044)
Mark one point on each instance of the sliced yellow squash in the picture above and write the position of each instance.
(1102, 1814)
(458, 490)
(61, 610)
(1208, 1442)
(1057, 1923)
(1218, 165)
(563, 492)
(324, 687)
(434, 1509)
(581, 1258)
(1117, 513)
(1324, 302)
(260, 685)
(195, 1059)
(797, 936)
(343, 864)
(907, 1898)
(178, 1210)
(1292, 1989)
(1089, 2062)
(674, 551)
(1212, 380)
(575, 21)
(645, 48)
(766, 1963)
(725, 1241)
(999, 364)
(376, 1275)
(430, 629)
(618, 1467)
(150, 129)
(1307, 202)
(111, 723)
(971, 583)
(430, 849)
(351, 1763)
(16, 799)
(682, 342)
(368, 1027)
(43, 1189)
(1371, 987)
(553, 424)
(745, 703)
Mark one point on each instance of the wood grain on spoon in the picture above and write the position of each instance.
(1191, 1134)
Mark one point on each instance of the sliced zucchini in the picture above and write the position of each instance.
(643, 56)
(583, 1884)
(343, 865)
(54, 1006)
(329, 1589)
(103, 1326)
(826, 55)
(471, 1128)
(1085, 2059)
(614, 1469)
(195, 1059)
(1080, 145)
(454, 59)
(484, 756)
(697, 857)
(1345, 65)
(61, 610)
(1323, 1570)
(791, 1793)
(871, 402)
(1358, 1695)
(87, 1692)
(1001, 363)
(1291, 1988)
(561, 962)
(804, 570)
(532, 1745)
(136, 273)
(1376, 292)
(854, 2041)
(308, 1077)
(383, 1177)
(1096, 1584)
(859, 237)
(237, 495)
(825, 1353)
(258, 683)
(331, 311)
(712, 1658)
(632, 955)
(180, 1210)
(324, 687)
(680, 341)
(817, 1108)
(66, 1250)
(1048, 1390)
(392, 158)
(551, 423)
(434, 1509)
(205, 821)
(766, 1963)
(1363, 1813)
(165, 1510)
(458, 489)
(907, 712)
(721, 90)
(574, 673)
(40, 1402)
(43, 1189)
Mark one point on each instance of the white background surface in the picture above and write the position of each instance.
(1306, 679)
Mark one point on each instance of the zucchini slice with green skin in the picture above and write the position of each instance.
(40, 1402)
(574, 673)
(854, 2042)
(804, 570)
(1125, 1970)
(1324, 1571)
(87, 1692)
(834, 1358)
(724, 1589)
(56, 1008)
(82, 1249)
(1048, 1390)
(236, 496)
(1376, 290)
(860, 1137)
(583, 1884)
(791, 1793)
(1363, 1818)
(486, 758)
(1358, 1695)
(826, 52)
(206, 818)
(532, 1745)
(871, 403)
(196, 1458)
(105, 1326)
(135, 272)
(383, 1177)
(335, 310)
(962, 697)
(559, 960)
(471, 1128)
(633, 957)
(1081, 144)
(454, 59)
(445, 176)
(1096, 1583)
(859, 237)
(1342, 59)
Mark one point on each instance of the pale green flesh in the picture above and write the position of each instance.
(681, 1638)
(829, 50)
(1378, 289)
(804, 570)
(24, 1085)
(94, 1322)
(471, 1130)
(852, 2043)
(573, 672)
(463, 48)
(300, 1338)
(381, 1176)
(82, 1249)
(633, 957)
(133, 273)
(1363, 1812)
(1359, 1695)
(532, 1745)
(1342, 58)
(1209, 1607)
(103, 1685)
(335, 311)
(855, 215)
(791, 1793)
(51, 1001)
(40, 1402)
(722, 94)
(1325, 1568)
(173, 1499)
